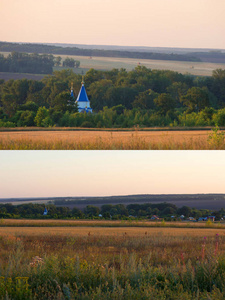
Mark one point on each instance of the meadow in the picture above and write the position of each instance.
(111, 140)
(112, 263)
(109, 63)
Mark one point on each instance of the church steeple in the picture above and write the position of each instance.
(82, 99)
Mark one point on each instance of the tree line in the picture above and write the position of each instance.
(51, 49)
(17, 62)
(27, 63)
(107, 211)
(141, 97)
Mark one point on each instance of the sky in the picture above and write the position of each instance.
(154, 23)
(106, 173)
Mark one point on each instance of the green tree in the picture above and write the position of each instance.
(9, 104)
(218, 85)
(164, 103)
(71, 63)
(57, 61)
(145, 100)
(97, 91)
(77, 213)
(63, 102)
(184, 210)
(26, 118)
(42, 113)
(196, 99)
(91, 211)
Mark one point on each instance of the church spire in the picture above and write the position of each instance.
(82, 99)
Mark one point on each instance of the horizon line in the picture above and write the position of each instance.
(127, 195)
(115, 45)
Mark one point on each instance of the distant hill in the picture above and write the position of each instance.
(167, 50)
(201, 54)
(200, 201)
(58, 50)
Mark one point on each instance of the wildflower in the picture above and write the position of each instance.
(36, 261)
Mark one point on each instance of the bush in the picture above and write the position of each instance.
(7, 124)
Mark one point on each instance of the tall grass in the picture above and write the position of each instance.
(89, 140)
(150, 266)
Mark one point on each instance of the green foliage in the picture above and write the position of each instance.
(141, 97)
(60, 210)
(219, 117)
(216, 139)
(70, 62)
(164, 103)
(41, 117)
(196, 99)
(27, 63)
(7, 124)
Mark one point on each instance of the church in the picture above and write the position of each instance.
(82, 99)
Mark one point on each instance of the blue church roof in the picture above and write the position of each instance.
(82, 94)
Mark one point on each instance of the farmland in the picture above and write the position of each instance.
(81, 227)
(109, 63)
(108, 140)
(199, 201)
(112, 263)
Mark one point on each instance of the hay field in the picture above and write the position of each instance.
(131, 232)
(100, 224)
(106, 140)
(108, 63)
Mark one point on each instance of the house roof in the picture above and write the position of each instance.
(82, 96)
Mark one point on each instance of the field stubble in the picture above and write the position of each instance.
(107, 140)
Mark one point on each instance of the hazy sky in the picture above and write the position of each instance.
(96, 173)
(167, 23)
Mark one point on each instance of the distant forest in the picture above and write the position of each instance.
(107, 211)
(17, 62)
(119, 99)
(24, 63)
(47, 49)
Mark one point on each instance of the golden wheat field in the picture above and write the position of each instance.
(108, 231)
(106, 140)
(104, 224)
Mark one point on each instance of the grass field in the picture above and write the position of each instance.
(112, 263)
(108, 140)
(108, 63)
(80, 226)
